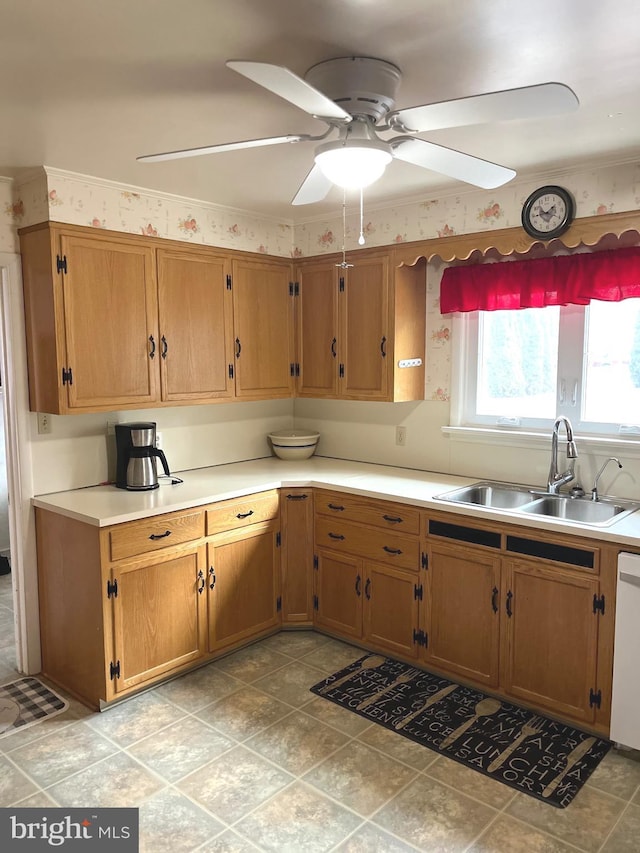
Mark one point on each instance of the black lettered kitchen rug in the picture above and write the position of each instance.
(25, 702)
(528, 752)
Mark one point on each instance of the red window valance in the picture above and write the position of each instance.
(567, 280)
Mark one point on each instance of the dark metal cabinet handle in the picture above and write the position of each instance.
(297, 497)
(336, 508)
(336, 536)
(244, 514)
(152, 352)
(392, 520)
(367, 589)
(165, 347)
(358, 586)
(160, 535)
(333, 347)
(383, 344)
(391, 550)
(508, 605)
(202, 581)
(212, 577)
(494, 599)
(238, 348)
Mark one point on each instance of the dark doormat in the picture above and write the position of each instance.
(25, 702)
(537, 756)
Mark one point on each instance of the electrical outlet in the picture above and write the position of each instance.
(401, 436)
(159, 440)
(44, 423)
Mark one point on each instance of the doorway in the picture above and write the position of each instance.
(19, 615)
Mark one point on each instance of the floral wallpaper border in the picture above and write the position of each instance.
(57, 195)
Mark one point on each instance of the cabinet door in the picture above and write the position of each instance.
(159, 616)
(338, 594)
(365, 348)
(195, 310)
(391, 600)
(317, 323)
(263, 318)
(550, 638)
(110, 317)
(297, 556)
(243, 583)
(462, 619)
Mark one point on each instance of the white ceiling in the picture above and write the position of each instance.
(87, 86)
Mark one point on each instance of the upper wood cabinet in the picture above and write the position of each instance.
(264, 335)
(91, 320)
(195, 311)
(361, 330)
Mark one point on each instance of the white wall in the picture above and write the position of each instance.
(80, 451)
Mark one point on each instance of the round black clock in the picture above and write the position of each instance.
(548, 212)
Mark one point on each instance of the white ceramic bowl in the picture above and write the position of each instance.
(294, 443)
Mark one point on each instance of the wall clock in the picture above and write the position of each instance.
(548, 212)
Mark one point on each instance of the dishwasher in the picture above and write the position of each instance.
(625, 700)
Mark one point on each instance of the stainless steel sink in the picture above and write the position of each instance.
(531, 501)
(579, 509)
(496, 495)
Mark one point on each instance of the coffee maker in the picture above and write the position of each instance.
(136, 456)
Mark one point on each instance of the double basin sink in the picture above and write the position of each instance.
(535, 502)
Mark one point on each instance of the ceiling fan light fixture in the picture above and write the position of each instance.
(353, 166)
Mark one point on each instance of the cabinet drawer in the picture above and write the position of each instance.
(151, 534)
(390, 516)
(371, 544)
(228, 515)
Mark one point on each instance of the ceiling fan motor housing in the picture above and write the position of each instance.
(361, 85)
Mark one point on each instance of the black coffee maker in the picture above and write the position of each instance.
(136, 457)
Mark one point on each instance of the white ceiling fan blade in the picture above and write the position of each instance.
(284, 83)
(314, 187)
(454, 164)
(545, 99)
(225, 146)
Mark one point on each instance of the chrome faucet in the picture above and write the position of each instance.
(594, 490)
(555, 479)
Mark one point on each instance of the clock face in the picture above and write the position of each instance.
(547, 212)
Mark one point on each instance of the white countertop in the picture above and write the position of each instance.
(106, 505)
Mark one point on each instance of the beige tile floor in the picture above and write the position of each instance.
(238, 756)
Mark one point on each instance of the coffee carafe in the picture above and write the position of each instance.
(136, 456)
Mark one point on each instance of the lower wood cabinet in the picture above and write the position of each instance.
(367, 601)
(550, 638)
(168, 591)
(296, 514)
(461, 612)
(243, 584)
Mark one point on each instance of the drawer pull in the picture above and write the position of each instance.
(336, 508)
(297, 497)
(392, 520)
(212, 576)
(164, 535)
(358, 586)
(367, 589)
(244, 514)
(336, 536)
(391, 550)
(202, 582)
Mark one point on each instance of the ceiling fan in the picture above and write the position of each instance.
(355, 97)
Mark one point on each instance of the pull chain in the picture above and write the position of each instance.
(361, 237)
(344, 265)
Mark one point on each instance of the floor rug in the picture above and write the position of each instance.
(25, 702)
(535, 755)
